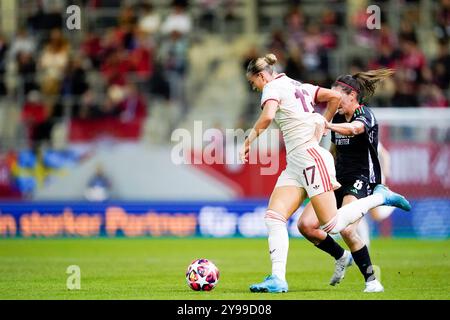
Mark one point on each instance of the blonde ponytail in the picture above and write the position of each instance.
(260, 64)
(271, 59)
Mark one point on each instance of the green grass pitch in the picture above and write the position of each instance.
(148, 268)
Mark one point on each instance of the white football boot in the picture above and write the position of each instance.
(341, 265)
(373, 286)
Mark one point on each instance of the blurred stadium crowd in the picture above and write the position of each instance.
(106, 77)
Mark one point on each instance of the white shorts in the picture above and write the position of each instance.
(310, 168)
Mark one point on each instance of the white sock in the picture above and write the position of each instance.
(351, 213)
(278, 242)
(364, 231)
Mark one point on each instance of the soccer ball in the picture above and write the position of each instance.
(202, 275)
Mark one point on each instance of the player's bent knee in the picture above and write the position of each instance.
(305, 228)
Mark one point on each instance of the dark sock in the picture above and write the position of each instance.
(362, 260)
(331, 247)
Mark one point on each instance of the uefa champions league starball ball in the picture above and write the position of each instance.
(202, 275)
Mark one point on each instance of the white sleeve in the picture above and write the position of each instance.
(269, 93)
(312, 91)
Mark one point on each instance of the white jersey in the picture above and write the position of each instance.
(295, 115)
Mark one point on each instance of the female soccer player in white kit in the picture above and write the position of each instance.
(310, 168)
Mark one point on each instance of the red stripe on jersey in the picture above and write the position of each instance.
(280, 75)
(320, 170)
(327, 176)
(330, 186)
(263, 104)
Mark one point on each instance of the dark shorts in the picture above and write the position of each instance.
(360, 188)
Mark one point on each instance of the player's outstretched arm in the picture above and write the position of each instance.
(332, 98)
(347, 129)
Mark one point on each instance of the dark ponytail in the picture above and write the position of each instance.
(364, 83)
